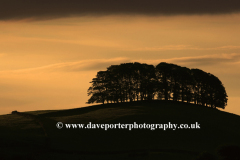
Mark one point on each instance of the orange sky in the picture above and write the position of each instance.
(48, 64)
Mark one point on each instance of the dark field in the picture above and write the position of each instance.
(23, 137)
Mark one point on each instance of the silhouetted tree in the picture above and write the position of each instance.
(186, 84)
(136, 81)
(196, 85)
(175, 83)
(208, 89)
(200, 86)
(163, 74)
(147, 81)
(216, 92)
(132, 81)
(98, 90)
(115, 83)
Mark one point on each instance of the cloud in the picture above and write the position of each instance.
(161, 48)
(84, 65)
(102, 64)
(48, 9)
(210, 59)
(205, 60)
(86, 42)
(90, 65)
(183, 47)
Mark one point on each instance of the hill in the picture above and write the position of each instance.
(34, 134)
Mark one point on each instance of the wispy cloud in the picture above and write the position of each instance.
(102, 64)
(85, 42)
(198, 60)
(48, 9)
(168, 47)
(84, 65)
(184, 47)
(210, 59)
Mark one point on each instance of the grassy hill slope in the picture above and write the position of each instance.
(21, 135)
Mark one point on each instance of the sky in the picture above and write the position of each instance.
(51, 50)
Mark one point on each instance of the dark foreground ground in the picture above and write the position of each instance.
(34, 135)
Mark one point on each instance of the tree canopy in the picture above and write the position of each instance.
(129, 82)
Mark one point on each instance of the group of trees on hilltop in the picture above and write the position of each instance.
(136, 82)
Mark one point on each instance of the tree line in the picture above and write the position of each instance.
(129, 82)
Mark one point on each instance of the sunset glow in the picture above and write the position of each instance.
(48, 63)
